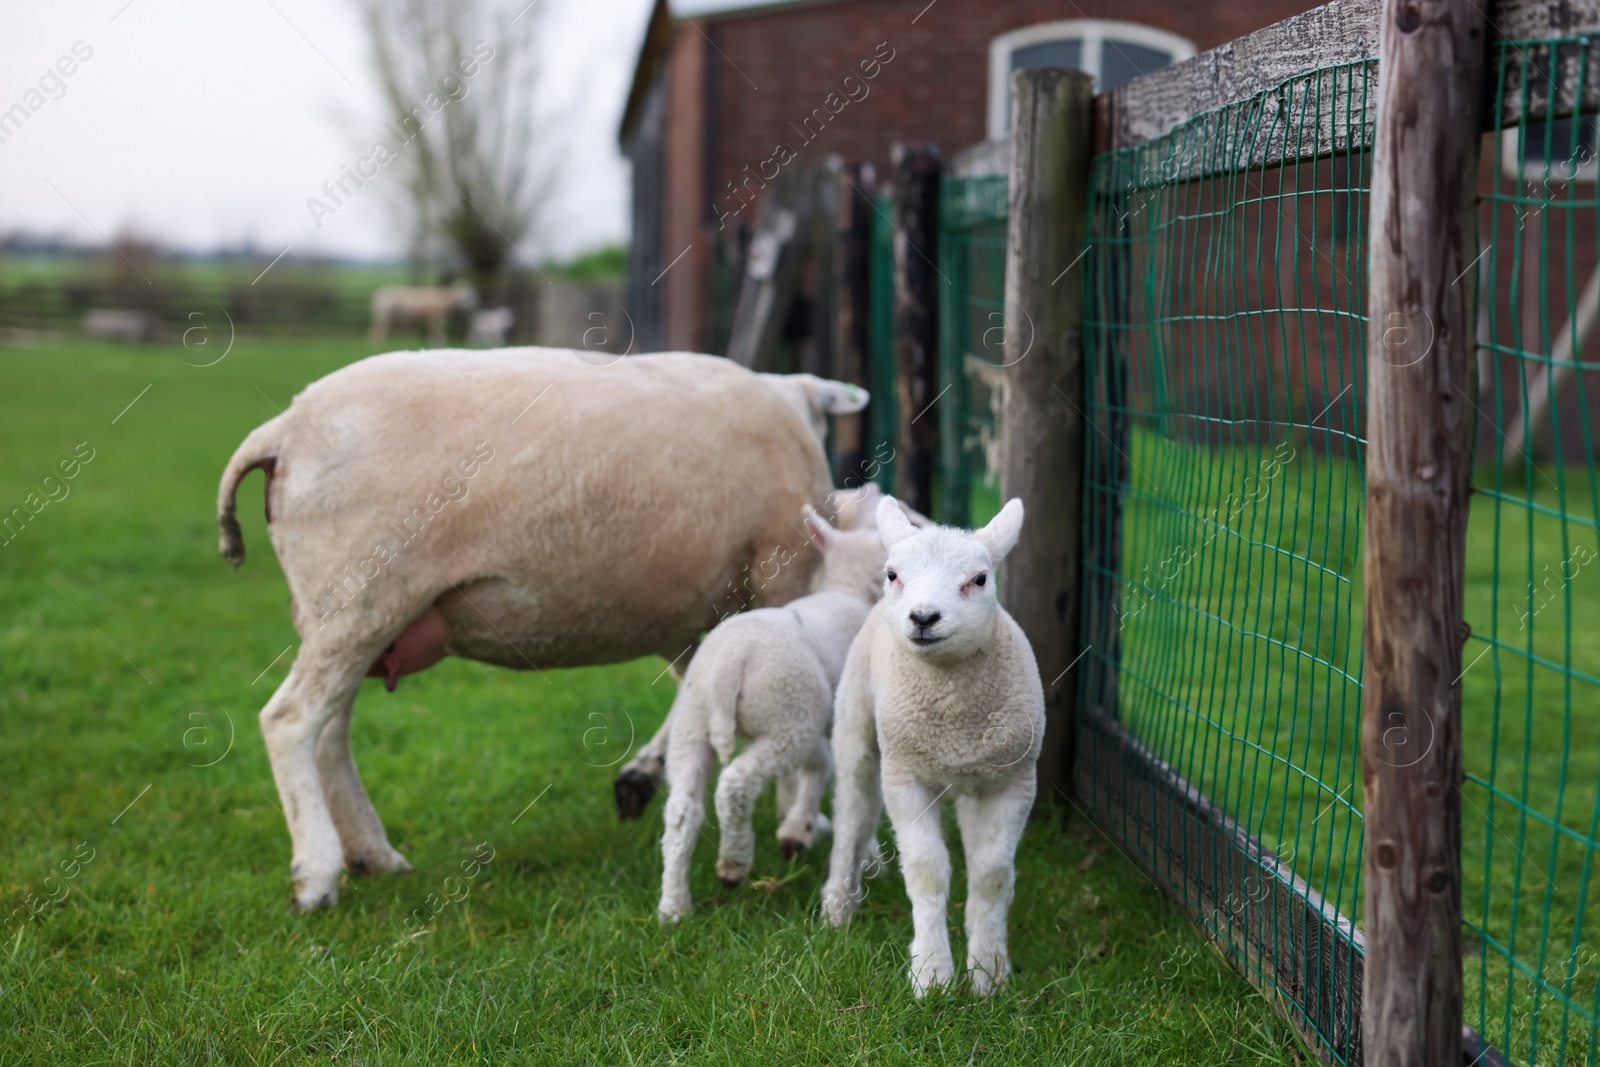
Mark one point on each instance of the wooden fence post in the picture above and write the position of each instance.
(852, 327)
(1421, 333)
(1042, 425)
(916, 311)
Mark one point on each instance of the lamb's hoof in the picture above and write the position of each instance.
(386, 860)
(633, 789)
(732, 874)
(671, 912)
(310, 899)
(836, 905)
(791, 847)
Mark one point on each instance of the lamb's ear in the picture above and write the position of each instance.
(1000, 536)
(836, 398)
(817, 526)
(893, 526)
(858, 507)
(918, 519)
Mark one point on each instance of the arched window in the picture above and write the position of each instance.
(1111, 52)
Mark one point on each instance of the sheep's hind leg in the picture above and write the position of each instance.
(317, 687)
(365, 844)
(741, 783)
(641, 778)
(802, 816)
(687, 770)
(991, 828)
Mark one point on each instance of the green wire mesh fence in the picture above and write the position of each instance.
(1223, 489)
(1531, 684)
(972, 266)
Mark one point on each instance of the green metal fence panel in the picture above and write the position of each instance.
(972, 326)
(1224, 325)
(1531, 684)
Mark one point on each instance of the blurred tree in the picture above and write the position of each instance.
(477, 160)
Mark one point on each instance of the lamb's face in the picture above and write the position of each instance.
(939, 588)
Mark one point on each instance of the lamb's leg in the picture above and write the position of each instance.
(857, 801)
(741, 782)
(687, 770)
(317, 687)
(366, 846)
(991, 827)
(803, 814)
(641, 777)
(914, 811)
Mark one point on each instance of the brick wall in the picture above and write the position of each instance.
(770, 71)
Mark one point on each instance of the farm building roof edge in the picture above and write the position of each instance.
(665, 18)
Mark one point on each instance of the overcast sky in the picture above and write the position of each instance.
(204, 124)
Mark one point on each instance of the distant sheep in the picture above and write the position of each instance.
(400, 305)
(490, 327)
(940, 695)
(768, 675)
(120, 324)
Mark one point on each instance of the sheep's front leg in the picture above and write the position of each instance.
(857, 800)
(687, 770)
(991, 828)
(914, 811)
(802, 816)
(366, 845)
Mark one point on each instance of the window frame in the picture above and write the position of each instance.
(1094, 33)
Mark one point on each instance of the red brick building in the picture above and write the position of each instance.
(727, 92)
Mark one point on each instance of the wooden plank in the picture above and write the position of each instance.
(852, 325)
(983, 158)
(1421, 336)
(1276, 70)
(772, 269)
(916, 310)
(1042, 424)
(1341, 32)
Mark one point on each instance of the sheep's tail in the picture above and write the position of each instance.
(260, 449)
(719, 689)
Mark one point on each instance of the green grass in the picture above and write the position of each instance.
(1240, 664)
(132, 663)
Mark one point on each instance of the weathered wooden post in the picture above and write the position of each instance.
(1042, 423)
(1420, 338)
(916, 312)
(852, 309)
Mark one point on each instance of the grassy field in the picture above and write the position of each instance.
(135, 792)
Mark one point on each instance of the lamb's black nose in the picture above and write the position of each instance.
(924, 619)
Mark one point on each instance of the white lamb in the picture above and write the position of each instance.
(768, 675)
(940, 695)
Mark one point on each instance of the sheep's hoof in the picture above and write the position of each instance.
(791, 847)
(385, 861)
(731, 873)
(633, 789)
(307, 900)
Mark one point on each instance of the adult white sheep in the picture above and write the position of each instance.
(940, 695)
(521, 507)
(767, 675)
